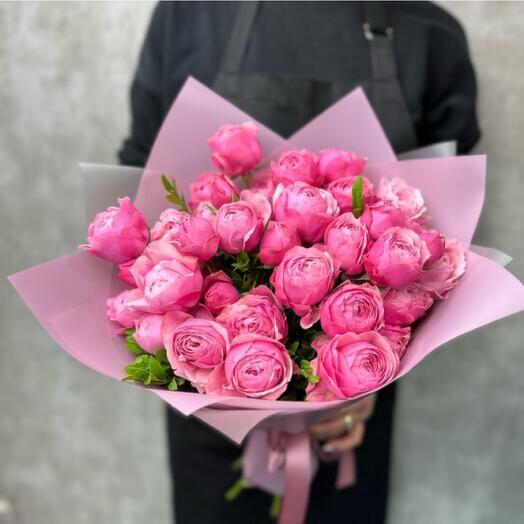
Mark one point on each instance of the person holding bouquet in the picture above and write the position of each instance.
(284, 63)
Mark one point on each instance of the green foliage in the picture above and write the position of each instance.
(172, 194)
(276, 506)
(357, 195)
(236, 489)
(307, 372)
(131, 343)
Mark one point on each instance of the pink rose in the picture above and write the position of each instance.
(336, 163)
(219, 292)
(303, 279)
(119, 311)
(259, 202)
(213, 187)
(277, 240)
(239, 227)
(347, 239)
(194, 346)
(173, 284)
(148, 333)
(118, 234)
(206, 211)
(256, 367)
(435, 242)
(124, 272)
(342, 190)
(378, 217)
(297, 166)
(403, 306)
(256, 312)
(308, 208)
(350, 365)
(170, 219)
(442, 276)
(352, 307)
(195, 236)
(236, 148)
(402, 196)
(396, 258)
(398, 338)
(262, 182)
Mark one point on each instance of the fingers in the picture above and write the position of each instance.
(350, 440)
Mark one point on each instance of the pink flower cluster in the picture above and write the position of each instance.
(244, 285)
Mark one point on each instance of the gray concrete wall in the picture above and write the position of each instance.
(75, 447)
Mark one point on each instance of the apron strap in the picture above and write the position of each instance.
(239, 38)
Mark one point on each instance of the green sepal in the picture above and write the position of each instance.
(357, 196)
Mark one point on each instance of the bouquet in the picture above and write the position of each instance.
(289, 280)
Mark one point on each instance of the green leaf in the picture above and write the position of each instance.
(131, 343)
(211, 208)
(161, 355)
(167, 184)
(358, 199)
(307, 372)
(234, 491)
(276, 505)
(158, 371)
(293, 347)
(236, 465)
(173, 385)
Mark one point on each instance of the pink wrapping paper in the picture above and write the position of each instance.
(68, 294)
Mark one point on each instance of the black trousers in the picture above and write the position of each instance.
(200, 462)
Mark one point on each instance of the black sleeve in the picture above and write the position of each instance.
(146, 96)
(450, 97)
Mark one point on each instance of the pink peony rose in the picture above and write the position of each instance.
(219, 292)
(194, 346)
(336, 163)
(213, 187)
(124, 272)
(169, 220)
(278, 239)
(195, 237)
(239, 227)
(256, 312)
(350, 365)
(118, 234)
(435, 242)
(297, 166)
(347, 239)
(342, 190)
(378, 217)
(173, 284)
(148, 333)
(402, 196)
(236, 148)
(396, 258)
(308, 208)
(403, 306)
(259, 202)
(352, 307)
(442, 276)
(119, 311)
(255, 366)
(398, 338)
(303, 279)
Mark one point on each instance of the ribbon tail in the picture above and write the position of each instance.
(347, 470)
(297, 480)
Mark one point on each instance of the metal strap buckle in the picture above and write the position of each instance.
(371, 32)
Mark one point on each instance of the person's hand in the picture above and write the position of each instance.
(345, 429)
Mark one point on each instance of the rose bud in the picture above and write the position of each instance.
(398, 338)
(173, 284)
(347, 239)
(303, 279)
(124, 272)
(402, 196)
(256, 312)
(308, 208)
(378, 217)
(170, 219)
(396, 258)
(239, 227)
(352, 307)
(277, 240)
(297, 166)
(119, 311)
(442, 276)
(262, 183)
(194, 346)
(148, 333)
(342, 190)
(352, 364)
(118, 234)
(213, 187)
(194, 237)
(206, 211)
(236, 148)
(336, 163)
(219, 292)
(403, 306)
(255, 366)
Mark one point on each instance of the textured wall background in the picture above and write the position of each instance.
(75, 447)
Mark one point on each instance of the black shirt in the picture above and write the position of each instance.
(319, 40)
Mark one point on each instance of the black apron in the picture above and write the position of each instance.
(200, 458)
